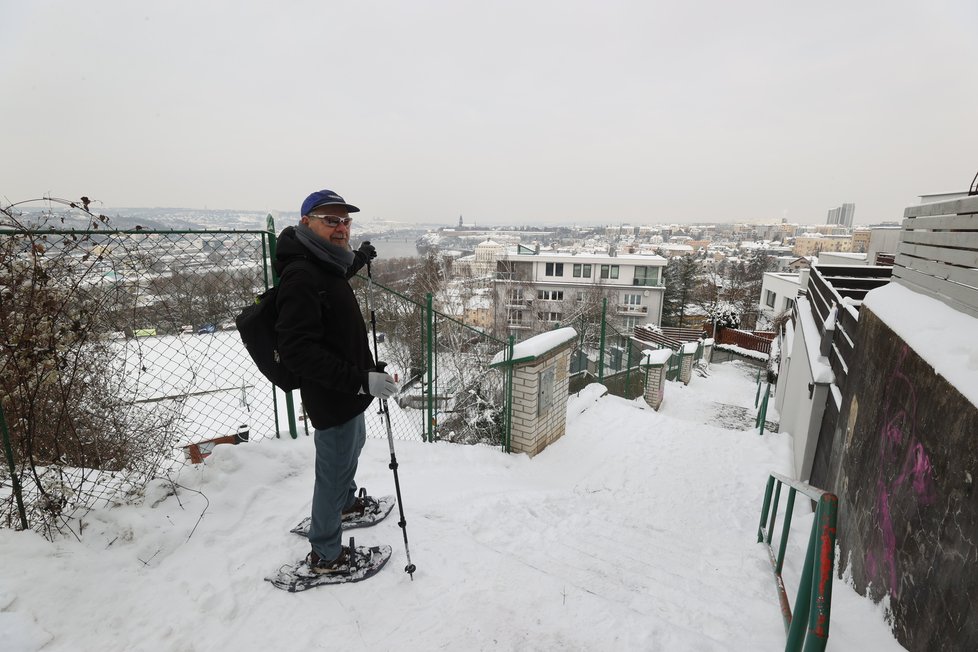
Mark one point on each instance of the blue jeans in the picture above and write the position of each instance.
(337, 452)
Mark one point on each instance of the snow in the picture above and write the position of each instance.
(739, 350)
(634, 531)
(829, 323)
(656, 356)
(821, 369)
(939, 334)
(538, 344)
(689, 348)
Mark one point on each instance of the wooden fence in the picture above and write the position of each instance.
(745, 339)
(938, 252)
(830, 285)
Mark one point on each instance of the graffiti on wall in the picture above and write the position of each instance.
(905, 474)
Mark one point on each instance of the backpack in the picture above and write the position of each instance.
(256, 326)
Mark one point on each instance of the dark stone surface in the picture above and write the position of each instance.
(904, 463)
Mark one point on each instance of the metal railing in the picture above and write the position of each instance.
(807, 627)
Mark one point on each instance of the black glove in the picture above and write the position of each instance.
(368, 250)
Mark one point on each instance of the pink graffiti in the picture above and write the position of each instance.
(905, 470)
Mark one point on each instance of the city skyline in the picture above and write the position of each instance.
(577, 113)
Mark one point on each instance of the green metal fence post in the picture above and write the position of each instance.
(14, 478)
(762, 415)
(289, 403)
(604, 310)
(774, 513)
(434, 373)
(799, 618)
(628, 368)
(789, 508)
(821, 598)
(507, 443)
(764, 508)
(429, 319)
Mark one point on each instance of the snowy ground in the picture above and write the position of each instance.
(635, 531)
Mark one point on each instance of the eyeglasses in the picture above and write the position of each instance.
(332, 220)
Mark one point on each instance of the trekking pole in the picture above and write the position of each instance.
(410, 568)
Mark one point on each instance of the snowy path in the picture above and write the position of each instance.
(636, 531)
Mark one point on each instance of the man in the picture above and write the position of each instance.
(323, 339)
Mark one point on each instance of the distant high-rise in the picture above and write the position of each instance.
(842, 215)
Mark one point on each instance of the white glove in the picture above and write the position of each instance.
(381, 384)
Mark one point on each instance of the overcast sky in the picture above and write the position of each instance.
(500, 111)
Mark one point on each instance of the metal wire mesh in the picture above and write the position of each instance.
(116, 355)
(447, 390)
(121, 365)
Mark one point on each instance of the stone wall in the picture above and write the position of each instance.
(903, 463)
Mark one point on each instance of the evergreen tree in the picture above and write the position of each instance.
(680, 275)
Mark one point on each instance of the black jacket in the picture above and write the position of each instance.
(322, 336)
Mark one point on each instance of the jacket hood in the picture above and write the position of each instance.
(288, 249)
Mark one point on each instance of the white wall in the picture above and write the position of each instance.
(784, 286)
(882, 240)
(801, 409)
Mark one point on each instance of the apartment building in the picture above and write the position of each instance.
(811, 244)
(535, 290)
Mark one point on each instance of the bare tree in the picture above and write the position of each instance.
(61, 379)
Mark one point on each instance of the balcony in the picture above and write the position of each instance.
(632, 310)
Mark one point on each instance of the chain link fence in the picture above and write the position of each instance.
(606, 355)
(117, 358)
(119, 363)
(447, 390)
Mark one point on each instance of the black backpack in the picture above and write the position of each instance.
(256, 326)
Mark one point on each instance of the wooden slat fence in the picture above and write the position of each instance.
(745, 339)
(657, 337)
(938, 252)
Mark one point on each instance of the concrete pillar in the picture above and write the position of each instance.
(686, 355)
(654, 363)
(541, 372)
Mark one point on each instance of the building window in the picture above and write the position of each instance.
(555, 269)
(769, 298)
(789, 304)
(550, 295)
(646, 276)
(516, 317)
(609, 271)
(548, 316)
(631, 322)
(582, 270)
(632, 299)
(516, 295)
(581, 296)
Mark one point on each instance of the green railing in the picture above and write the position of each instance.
(760, 402)
(807, 627)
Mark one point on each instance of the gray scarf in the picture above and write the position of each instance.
(336, 258)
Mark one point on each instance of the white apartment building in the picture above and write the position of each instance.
(537, 289)
(779, 292)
